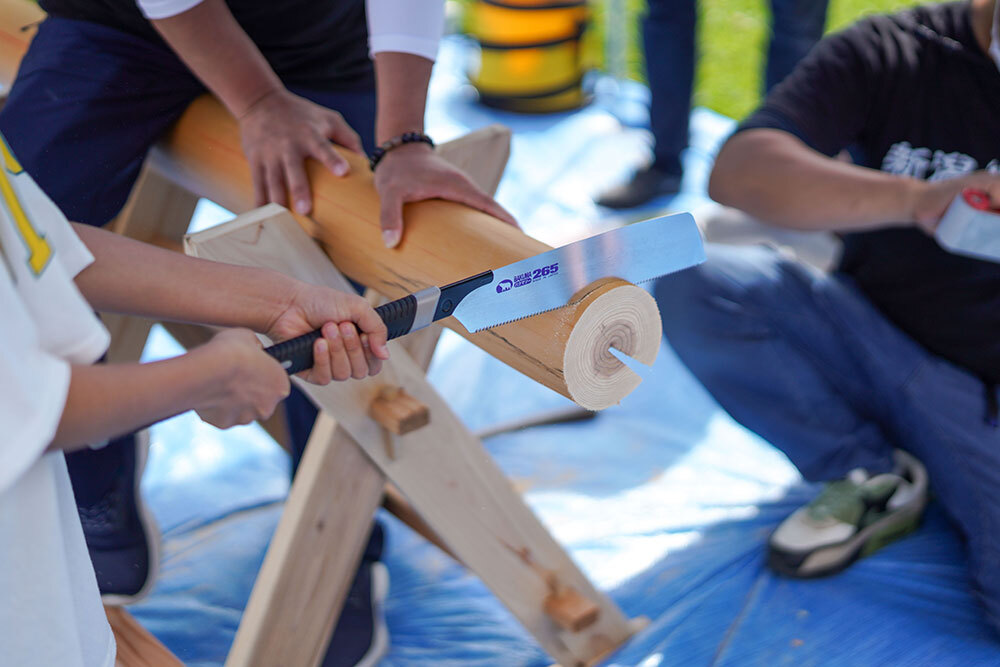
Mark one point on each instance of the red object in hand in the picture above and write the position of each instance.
(978, 200)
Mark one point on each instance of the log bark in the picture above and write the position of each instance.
(566, 349)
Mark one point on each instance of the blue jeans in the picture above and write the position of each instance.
(806, 361)
(87, 104)
(669, 46)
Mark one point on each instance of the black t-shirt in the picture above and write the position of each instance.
(317, 44)
(912, 93)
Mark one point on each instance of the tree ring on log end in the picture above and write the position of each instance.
(611, 314)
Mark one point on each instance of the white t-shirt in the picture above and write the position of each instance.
(50, 607)
(403, 26)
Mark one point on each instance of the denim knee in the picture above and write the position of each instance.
(721, 295)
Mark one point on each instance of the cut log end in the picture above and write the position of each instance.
(617, 314)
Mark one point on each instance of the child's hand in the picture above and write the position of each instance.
(354, 337)
(244, 383)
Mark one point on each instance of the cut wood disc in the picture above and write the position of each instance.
(612, 313)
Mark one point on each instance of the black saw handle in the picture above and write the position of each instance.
(296, 354)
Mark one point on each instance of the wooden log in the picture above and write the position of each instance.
(443, 242)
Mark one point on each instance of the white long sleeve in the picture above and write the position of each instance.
(405, 26)
(164, 9)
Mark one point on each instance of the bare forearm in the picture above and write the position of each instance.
(107, 400)
(774, 176)
(139, 279)
(214, 46)
(401, 80)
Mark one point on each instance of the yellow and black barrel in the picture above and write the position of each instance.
(531, 55)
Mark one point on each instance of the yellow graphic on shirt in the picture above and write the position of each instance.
(39, 250)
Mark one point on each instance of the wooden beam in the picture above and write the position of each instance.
(313, 555)
(482, 155)
(400, 507)
(442, 469)
(157, 211)
(137, 647)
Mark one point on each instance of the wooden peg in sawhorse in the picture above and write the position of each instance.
(398, 413)
(570, 610)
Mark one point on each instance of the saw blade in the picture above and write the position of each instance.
(637, 253)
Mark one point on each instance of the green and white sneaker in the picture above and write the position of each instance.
(850, 519)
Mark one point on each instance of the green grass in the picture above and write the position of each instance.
(731, 42)
(732, 46)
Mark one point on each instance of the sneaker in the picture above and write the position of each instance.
(361, 638)
(645, 185)
(850, 519)
(122, 536)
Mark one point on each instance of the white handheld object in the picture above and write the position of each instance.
(971, 226)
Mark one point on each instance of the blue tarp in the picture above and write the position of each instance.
(664, 501)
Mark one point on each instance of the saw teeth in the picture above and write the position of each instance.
(517, 319)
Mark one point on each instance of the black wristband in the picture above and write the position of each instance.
(396, 142)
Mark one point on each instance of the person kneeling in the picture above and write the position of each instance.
(868, 374)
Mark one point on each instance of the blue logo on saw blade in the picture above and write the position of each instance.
(529, 277)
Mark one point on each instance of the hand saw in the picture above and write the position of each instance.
(637, 253)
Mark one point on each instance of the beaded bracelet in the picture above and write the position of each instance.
(396, 142)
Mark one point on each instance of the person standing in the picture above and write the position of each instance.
(668, 32)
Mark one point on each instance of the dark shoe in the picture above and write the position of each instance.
(122, 536)
(850, 519)
(361, 638)
(645, 185)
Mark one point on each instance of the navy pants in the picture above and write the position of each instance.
(669, 46)
(806, 361)
(87, 104)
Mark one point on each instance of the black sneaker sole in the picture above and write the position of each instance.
(837, 557)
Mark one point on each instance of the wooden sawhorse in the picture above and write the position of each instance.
(369, 432)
